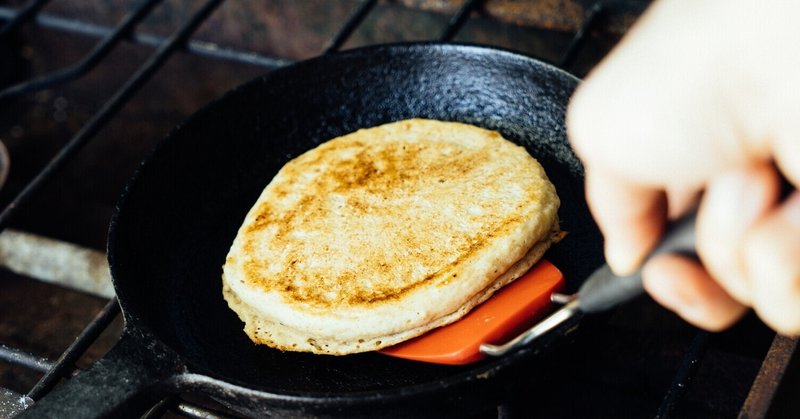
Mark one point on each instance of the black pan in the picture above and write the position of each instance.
(179, 214)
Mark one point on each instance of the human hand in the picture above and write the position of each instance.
(700, 99)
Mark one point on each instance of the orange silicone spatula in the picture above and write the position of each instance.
(509, 311)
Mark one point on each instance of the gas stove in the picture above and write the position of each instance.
(88, 88)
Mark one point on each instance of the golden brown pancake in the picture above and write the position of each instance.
(380, 235)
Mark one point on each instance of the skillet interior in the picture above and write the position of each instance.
(180, 213)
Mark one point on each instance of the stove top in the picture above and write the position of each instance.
(75, 137)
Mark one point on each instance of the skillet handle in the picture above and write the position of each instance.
(126, 382)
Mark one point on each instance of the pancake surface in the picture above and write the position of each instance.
(380, 235)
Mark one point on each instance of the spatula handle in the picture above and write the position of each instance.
(603, 290)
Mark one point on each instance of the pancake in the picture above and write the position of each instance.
(380, 235)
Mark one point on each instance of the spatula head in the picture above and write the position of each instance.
(510, 311)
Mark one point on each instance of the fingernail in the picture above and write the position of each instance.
(621, 256)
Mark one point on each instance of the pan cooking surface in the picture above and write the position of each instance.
(181, 212)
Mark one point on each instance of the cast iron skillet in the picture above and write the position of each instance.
(180, 213)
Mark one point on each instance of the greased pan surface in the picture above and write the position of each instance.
(180, 213)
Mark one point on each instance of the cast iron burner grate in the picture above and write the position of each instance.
(653, 364)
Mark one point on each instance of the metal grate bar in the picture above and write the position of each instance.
(200, 48)
(350, 26)
(109, 109)
(764, 398)
(458, 20)
(28, 11)
(88, 62)
(686, 372)
(66, 362)
(24, 359)
(210, 50)
(579, 40)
